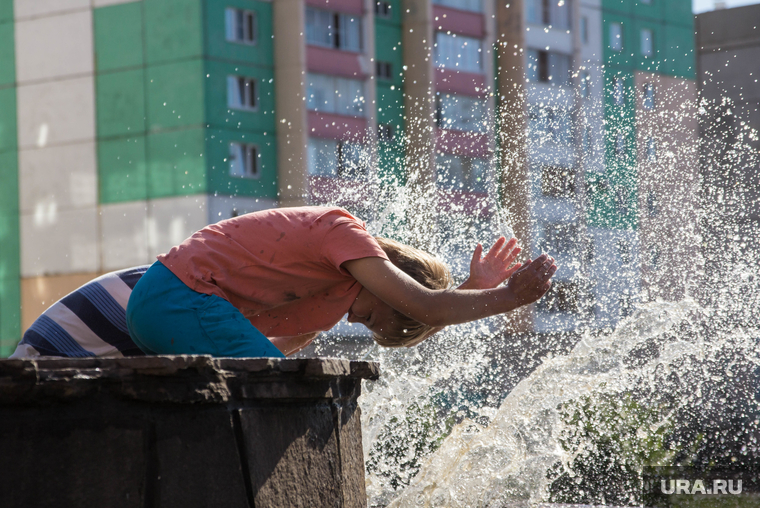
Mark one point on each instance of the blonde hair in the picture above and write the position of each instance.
(426, 270)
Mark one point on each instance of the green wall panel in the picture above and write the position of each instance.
(10, 297)
(118, 36)
(639, 61)
(651, 11)
(261, 53)
(679, 52)
(219, 116)
(388, 49)
(176, 163)
(622, 7)
(390, 104)
(395, 18)
(677, 12)
(173, 30)
(6, 10)
(8, 119)
(120, 103)
(175, 94)
(122, 170)
(221, 182)
(7, 55)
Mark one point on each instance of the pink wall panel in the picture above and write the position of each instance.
(446, 19)
(465, 83)
(347, 6)
(470, 144)
(331, 126)
(335, 62)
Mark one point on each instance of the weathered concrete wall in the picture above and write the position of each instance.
(181, 431)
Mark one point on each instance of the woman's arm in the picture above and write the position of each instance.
(452, 306)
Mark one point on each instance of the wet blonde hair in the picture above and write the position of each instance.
(426, 270)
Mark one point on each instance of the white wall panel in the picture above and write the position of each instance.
(124, 237)
(59, 242)
(57, 112)
(63, 176)
(54, 46)
(172, 220)
(29, 8)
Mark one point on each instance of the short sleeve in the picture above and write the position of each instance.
(348, 239)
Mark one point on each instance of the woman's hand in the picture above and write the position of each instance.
(496, 267)
(532, 280)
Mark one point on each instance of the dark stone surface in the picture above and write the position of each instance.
(181, 431)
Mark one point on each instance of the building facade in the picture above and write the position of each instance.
(127, 125)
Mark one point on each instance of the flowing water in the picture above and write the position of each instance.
(477, 417)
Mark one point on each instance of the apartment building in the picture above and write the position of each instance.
(127, 125)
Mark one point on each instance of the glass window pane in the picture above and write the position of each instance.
(559, 69)
(532, 11)
(457, 52)
(559, 14)
(616, 37)
(450, 172)
(646, 42)
(320, 93)
(531, 65)
(229, 24)
(322, 157)
(462, 113)
(236, 160)
(351, 33)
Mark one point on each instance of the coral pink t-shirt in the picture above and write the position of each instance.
(281, 267)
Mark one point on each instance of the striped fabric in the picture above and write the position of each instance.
(91, 321)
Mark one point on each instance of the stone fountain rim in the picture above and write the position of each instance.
(180, 379)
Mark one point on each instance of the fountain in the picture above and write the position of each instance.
(479, 417)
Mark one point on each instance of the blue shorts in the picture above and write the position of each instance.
(166, 317)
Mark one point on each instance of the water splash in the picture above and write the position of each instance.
(478, 417)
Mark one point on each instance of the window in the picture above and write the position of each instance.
(333, 30)
(457, 52)
(465, 5)
(651, 150)
(383, 10)
(547, 67)
(557, 182)
(560, 238)
(646, 42)
(616, 36)
(648, 96)
(547, 124)
(564, 296)
(461, 173)
(327, 157)
(620, 145)
(624, 251)
(461, 113)
(653, 209)
(385, 132)
(654, 257)
(618, 91)
(586, 140)
(584, 30)
(621, 199)
(242, 93)
(240, 26)
(331, 94)
(244, 160)
(555, 13)
(626, 305)
(383, 70)
(585, 84)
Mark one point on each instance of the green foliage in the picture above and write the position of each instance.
(405, 441)
(610, 438)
